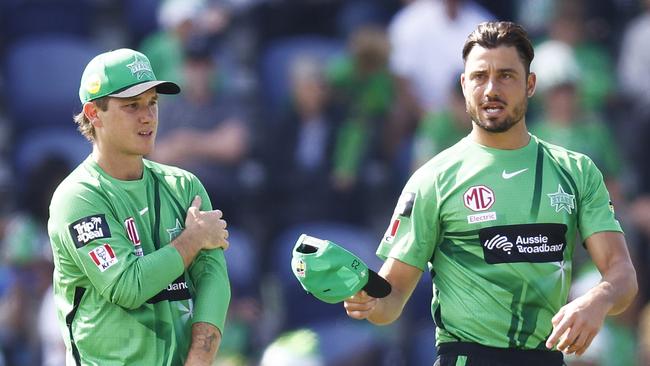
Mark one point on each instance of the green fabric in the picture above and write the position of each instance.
(136, 308)
(328, 271)
(529, 190)
(592, 138)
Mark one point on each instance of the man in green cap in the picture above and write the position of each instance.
(495, 219)
(140, 276)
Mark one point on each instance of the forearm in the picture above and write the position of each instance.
(403, 279)
(144, 279)
(186, 247)
(388, 309)
(617, 288)
(206, 339)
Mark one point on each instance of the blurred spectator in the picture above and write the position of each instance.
(425, 37)
(205, 130)
(634, 59)
(441, 129)
(597, 78)
(179, 21)
(566, 122)
(26, 253)
(299, 151)
(363, 88)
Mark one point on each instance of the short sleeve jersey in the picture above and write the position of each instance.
(122, 293)
(497, 229)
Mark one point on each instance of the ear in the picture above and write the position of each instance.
(462, 82)
(531, 84)
(92, 113)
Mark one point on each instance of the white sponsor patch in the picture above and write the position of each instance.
(103, 256)
(482, 217)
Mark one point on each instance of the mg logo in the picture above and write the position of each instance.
(478, 198)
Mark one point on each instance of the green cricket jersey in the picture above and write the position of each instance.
(122, 294)
(497, 229)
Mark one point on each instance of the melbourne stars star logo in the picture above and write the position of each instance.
(562, 200)
(175, 231)
(140, 68)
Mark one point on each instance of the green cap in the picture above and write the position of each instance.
(121, 73)
(331, 273)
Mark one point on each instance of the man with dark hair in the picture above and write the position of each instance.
(495, 218)
(140, 276)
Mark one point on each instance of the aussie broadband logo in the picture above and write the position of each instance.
(534, 243)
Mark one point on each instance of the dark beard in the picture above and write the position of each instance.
(499, 127)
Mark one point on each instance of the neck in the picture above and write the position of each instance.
(119, 167)
(515, 138)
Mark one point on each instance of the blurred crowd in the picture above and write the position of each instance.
(309, 116)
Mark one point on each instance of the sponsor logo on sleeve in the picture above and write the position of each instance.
(103, 256)
(533, 243)
(132, 233)
(89, 228)
(478, 198)
(405, 204)
(175, 291)
(392, 231)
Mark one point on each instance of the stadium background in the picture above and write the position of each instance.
(308, 116)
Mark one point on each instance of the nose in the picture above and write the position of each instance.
(148, 114)
(491, 88)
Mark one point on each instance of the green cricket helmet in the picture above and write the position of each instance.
(331, 273)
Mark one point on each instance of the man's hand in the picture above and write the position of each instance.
(203, 230)
(360, 306)
(577, 323)
(207, 228)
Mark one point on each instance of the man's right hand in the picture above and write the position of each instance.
(207, 228)
(203, 230)
(360, 306)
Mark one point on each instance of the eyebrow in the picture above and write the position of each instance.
(501, 71)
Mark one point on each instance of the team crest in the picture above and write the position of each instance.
(562, 200)
(175, 231)
(140, 68)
